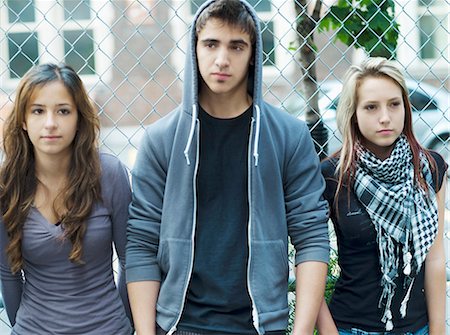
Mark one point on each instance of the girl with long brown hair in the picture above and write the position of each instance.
(63, 205)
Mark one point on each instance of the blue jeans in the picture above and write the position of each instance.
(355, 331)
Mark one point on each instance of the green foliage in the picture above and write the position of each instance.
(367, 24)
(332, 276)
(293, 46)
(290, 326)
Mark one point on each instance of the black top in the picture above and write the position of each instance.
(218, 301)
(355, 300)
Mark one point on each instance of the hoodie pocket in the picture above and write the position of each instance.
(269, 271)
(174, 260)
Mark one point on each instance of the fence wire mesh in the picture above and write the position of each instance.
(130, 54)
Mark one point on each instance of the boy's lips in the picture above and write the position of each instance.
(221, 76)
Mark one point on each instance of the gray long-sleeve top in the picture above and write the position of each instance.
(56, 296)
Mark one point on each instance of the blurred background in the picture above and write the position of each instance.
(130, 55)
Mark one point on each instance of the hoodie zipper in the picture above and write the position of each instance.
(255, 316)
(194, 218)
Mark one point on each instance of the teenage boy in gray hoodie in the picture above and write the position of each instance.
(219, 184)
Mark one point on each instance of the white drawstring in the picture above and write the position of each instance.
(258, 125)
(191, 134)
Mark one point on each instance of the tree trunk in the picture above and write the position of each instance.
(306, 25)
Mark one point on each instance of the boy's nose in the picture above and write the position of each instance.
(222, 60)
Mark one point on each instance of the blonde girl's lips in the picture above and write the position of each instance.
(385, 131)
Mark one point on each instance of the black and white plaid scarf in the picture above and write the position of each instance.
(405, 216)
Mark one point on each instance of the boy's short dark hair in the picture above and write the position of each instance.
(232, 12)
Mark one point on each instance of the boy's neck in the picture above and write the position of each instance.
(224, 106)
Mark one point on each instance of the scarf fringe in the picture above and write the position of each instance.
(405, 300)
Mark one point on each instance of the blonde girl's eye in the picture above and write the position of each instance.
(64, 111)
(37, 111)
(371, 107)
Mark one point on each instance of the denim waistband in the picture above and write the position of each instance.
(356, 331)
(160, 331)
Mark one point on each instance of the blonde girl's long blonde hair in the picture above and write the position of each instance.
(374, 67)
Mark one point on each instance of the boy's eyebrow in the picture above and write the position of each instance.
(213, 40)
(208, 40)
(239, 41)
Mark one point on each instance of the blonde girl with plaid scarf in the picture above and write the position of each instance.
(386, 196)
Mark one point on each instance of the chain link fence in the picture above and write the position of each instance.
(130, 54)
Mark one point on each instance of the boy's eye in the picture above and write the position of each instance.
(237, 47)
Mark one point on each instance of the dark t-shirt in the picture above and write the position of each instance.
(218, 301)
(357, 292)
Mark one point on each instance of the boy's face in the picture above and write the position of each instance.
(224, 54)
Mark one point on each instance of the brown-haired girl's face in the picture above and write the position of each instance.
(51, 119)
(380, 114)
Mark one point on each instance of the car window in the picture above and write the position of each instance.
(420, 102)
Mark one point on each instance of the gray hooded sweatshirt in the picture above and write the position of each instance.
(285, 189)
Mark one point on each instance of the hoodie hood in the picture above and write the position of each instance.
(191, 78)
(191, 73)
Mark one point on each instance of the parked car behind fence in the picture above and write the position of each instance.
(431, 114)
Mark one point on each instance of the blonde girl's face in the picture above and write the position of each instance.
(380, 114)
(51, 120)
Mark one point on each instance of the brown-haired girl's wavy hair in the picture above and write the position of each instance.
(375, 67)
(18, 181)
